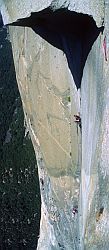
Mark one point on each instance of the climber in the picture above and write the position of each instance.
(78, 119)
(74, 210)
(42, 183)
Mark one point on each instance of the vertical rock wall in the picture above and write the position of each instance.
(48, 95)
(50, 100)
(94, 173)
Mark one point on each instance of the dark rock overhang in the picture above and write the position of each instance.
(73, 33)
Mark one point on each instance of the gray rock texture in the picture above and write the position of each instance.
(13, 10)
(73, 168)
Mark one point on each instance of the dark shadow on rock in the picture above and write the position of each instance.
(73, 33)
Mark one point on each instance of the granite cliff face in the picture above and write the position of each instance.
(73, 164)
